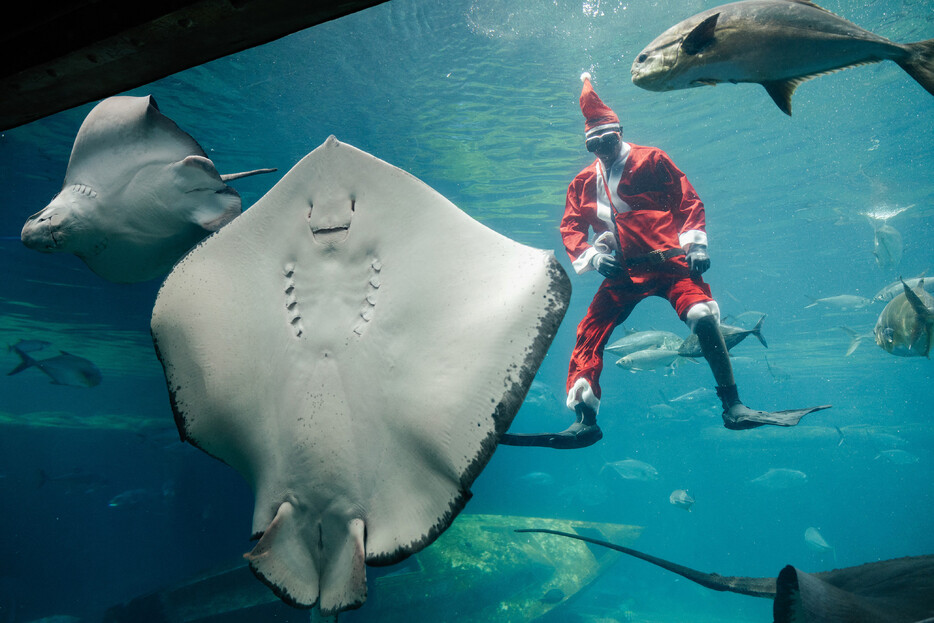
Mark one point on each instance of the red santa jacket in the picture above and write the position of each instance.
(656, 207)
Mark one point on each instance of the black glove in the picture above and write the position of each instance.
(607, 265)
(698, 260)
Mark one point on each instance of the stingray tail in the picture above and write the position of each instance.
(754, 587)
(25, 362)
(920, 63)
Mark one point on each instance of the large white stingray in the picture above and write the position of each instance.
(139, 192)
(353, 345)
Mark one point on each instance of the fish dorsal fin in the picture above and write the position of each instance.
(701, 37)
(925, 315)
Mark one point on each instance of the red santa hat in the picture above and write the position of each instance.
(598, 116)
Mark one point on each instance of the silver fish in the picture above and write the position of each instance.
(650, 359)
(64, 369)
(776, 43)
(642, 340)
(898, 457)
(780, 478)
(895, 288)
(815, 541)
(695, 395)
(541, 479)
(631, 469)
(906, 326)
(731, 335)
(841, 301)
(887, 245)
(682, 499)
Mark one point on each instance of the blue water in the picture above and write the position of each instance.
(479, 100)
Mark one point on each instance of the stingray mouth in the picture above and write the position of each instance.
(334, 226)
(330, 234)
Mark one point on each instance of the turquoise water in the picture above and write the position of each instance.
(479, 100)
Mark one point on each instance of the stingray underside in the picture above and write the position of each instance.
(354, 345)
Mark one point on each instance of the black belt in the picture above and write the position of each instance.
(655, 257)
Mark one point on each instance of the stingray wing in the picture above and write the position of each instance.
(122, 134)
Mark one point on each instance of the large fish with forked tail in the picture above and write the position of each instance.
(776, 43)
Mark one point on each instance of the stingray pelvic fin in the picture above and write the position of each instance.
(283, 560)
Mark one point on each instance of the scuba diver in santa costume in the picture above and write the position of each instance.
(649, 240)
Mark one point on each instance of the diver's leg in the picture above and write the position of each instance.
(610, 306)
(704, 321)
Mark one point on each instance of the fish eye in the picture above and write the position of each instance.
(642, 58)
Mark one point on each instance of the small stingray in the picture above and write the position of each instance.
(889, 591)
(354, 345)
(139, 192)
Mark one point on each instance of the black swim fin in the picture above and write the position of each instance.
(582, 433)
(744, 418)
(565, 440)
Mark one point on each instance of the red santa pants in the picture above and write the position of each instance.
(611, 305)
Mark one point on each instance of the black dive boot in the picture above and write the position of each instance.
(736, 415)
(582, 433)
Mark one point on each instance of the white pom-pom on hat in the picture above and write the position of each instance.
(586, 76)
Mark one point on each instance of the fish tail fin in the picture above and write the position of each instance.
(757, 331)
(920, 63)
(855, 340)
(25, 362)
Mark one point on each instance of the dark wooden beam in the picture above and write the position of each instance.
(69, 53)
